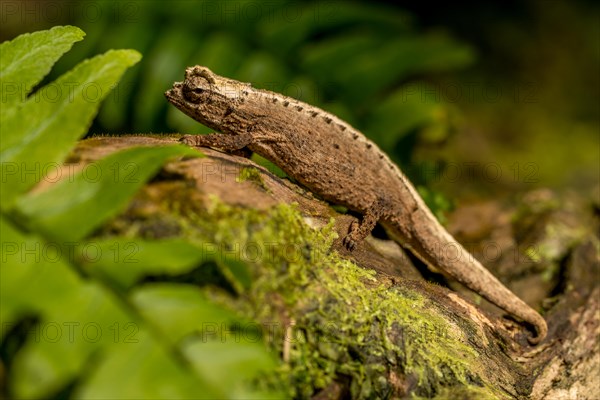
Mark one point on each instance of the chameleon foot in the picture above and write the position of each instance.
(358, 231)
(349, 241)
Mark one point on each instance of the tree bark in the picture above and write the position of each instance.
(544, 247)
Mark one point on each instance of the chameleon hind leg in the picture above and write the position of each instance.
(359, 230)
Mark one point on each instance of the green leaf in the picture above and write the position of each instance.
(18, 274)
(325, 56)
(225, 351)
(81, 336)
(145, 370)
(124, 262)
(25, 60)
(29, 272)
(72, 328)
(264, 71)
(116, 108)
(232, 370)
(179, 310)
(164, 64)
(72, 208)
(236, 272)
(388, 62)
(407, 108)
(37, 280)
(317, 19)
(58, 114)
(221, 52)
(80, 322)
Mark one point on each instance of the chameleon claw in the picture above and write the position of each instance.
(349, 243)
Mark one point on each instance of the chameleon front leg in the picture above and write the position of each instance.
(235, 144)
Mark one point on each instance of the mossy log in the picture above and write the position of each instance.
(375, 323)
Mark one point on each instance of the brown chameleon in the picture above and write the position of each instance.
(339, 164)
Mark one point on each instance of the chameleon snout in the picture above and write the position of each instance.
(174, 93)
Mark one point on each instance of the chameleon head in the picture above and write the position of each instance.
(205, 96)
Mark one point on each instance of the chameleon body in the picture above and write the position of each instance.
(341, 165)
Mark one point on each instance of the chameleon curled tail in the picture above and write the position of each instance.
(441, 250)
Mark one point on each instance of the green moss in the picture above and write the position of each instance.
(463, 393)
(253, 175)
(329, 317)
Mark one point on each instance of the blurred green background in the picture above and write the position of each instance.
(471, 99)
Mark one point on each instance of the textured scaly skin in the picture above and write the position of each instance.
(341, 165)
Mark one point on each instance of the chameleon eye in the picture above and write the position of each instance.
(194, 94)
